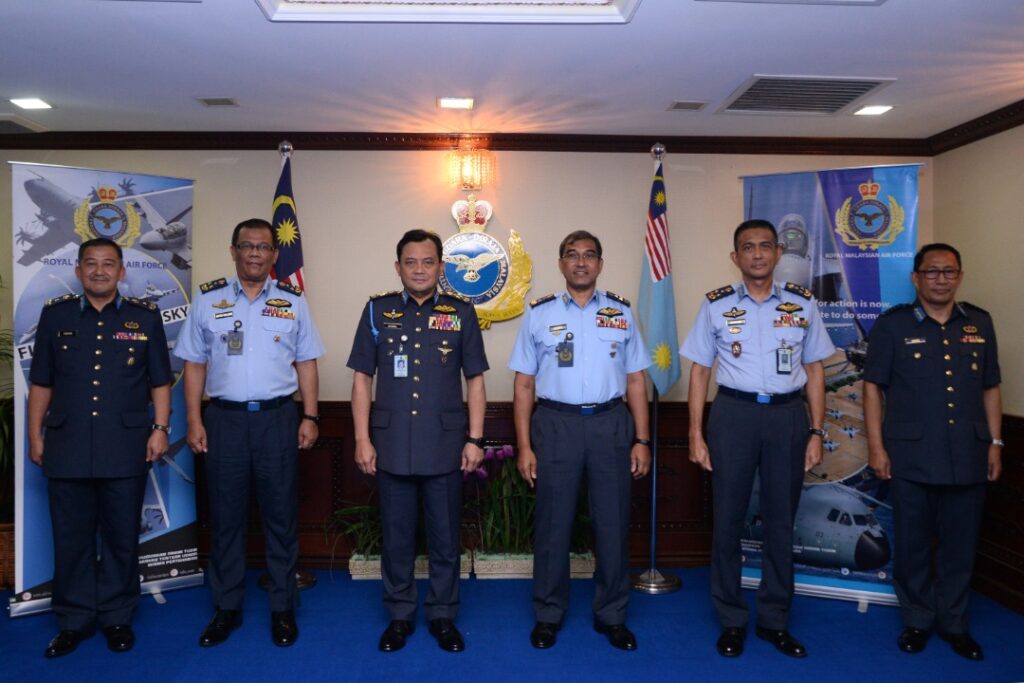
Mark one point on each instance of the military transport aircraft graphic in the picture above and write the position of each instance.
(171, 236)
(154, 294)
(834, 528)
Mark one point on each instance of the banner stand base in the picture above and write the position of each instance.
(654, 582)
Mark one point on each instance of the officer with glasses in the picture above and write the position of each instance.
(251, 342)
(933, 409)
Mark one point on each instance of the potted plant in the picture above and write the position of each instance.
(7, 459)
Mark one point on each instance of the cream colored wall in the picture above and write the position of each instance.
(353, 207)
(978, 209)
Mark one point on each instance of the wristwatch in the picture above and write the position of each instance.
(637, 441)
(315, 419)
(998, 442)
(163, 428)
(478, 441)
(820, 432)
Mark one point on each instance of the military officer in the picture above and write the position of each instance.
(579, 352)
(934, 361)
(770, 342)
(99, 358)
(416, 439)
(252, 343)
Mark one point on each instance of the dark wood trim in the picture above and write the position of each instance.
(519, 142)
(980, 128)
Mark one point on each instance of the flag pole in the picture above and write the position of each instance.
(653, 581)
(303, 578)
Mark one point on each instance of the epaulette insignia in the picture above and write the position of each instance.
(542, 300)
(213, 285)
(893, 309)
(798, 290)
(615, 297)
(62, 299)
(381, 295)
(289, 287)
(716, 294)
(973, 307)
(148, 305)
(456, 296)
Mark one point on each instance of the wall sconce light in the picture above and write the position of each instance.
(470, 167)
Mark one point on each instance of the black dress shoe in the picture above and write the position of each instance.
(394, 635)
(618, 635)
(220, 627)
(64, 643)
(448, 637)
(119, 638)
(964, 645)
(283, 629)
(543, 634)
(783, 642)
(730, 643)
(912, 640)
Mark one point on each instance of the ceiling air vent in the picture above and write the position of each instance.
(218, 101)
(815, 95)
(12, 124)
(682, 105)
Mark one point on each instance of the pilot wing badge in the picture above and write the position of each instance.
(479, 267)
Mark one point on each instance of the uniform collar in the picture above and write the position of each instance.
(236, 286)
(83, 302)
(567, 300)
(406, 298)
(741, 291)
(920, 315)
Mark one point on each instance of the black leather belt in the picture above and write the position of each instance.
(251, 406)
(764, 399)
(585, 409)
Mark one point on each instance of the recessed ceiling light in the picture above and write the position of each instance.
(30, 103)
(872, 110)
(455, 102)
(218, 101)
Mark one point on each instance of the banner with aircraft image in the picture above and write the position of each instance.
(54, 210)
(849, 236)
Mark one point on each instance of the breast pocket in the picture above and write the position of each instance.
(130, 356)
(279, 336)
(612, 342)
(917, 361)
(972, 360)
(68, 353)
(443, 347)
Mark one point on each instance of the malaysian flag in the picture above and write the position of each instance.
(656, 306)
(286, 225)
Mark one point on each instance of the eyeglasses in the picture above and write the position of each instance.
(934, 273)
(586, 257)
(249, 247)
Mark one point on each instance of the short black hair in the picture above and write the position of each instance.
(752, 224)
(579, 236)
(935, 246)
(419, 236)
(100, 242)
(254, 224)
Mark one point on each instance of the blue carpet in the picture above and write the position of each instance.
(340, 621)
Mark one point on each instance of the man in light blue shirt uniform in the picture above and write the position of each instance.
(579, 352)
(252, 342)
(770, 342)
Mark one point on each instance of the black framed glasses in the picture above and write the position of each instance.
(934, 273)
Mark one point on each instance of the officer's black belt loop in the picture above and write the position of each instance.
(764, 399)
(585, 409)
(251, 406)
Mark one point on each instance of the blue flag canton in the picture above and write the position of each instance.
(659, 200)
(286, 227)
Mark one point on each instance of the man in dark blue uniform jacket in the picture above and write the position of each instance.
(420, 343)
(936, 365)
(98, 359)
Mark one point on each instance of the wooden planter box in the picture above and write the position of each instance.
(507, 566)
(367, 567)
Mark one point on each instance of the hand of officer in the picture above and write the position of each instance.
(812, 455)
(699, 454)
(308, 433)
(472, 456)
(366, 457)
(156, 446)
(878, 459)
(995, 462)
(639, 460)
(196, 437)
(526, 463)
(35, 450)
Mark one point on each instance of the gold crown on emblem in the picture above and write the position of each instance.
(106, 193)
(471, 214)
(869, 190)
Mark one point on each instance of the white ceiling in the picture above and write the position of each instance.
(134, 65)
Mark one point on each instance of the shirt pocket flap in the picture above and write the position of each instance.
(981, 429)
(277, 324)
(54, 419)
(380, 419)
(909, 431)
